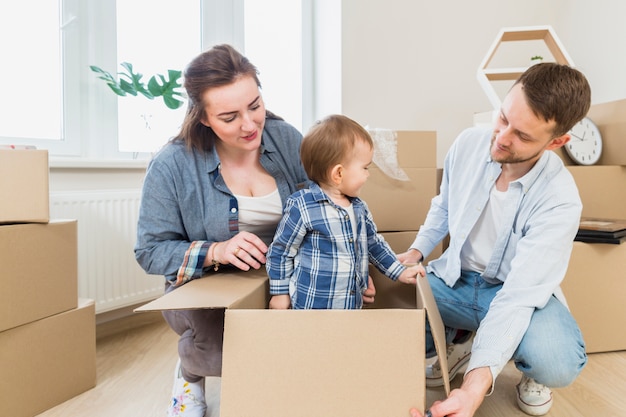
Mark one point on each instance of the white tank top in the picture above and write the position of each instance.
(260, 215)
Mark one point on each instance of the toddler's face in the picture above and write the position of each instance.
(356, 169)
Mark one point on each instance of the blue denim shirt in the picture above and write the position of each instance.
(532, 249)
(316, 258)
(185, 200)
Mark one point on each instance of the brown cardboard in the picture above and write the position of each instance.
(390, 294)
(49, 361)
(602, 190)
(400, 205)
(610, 119)
(39, 271)
(328, 362)
(24, 186)
(228, 289)
(594, 287)
(426, 301)
(416, 149)
(381, 349)
(302, 363)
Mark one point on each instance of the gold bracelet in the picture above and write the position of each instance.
(215, 262)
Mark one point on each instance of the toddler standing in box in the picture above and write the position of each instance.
(327, 237)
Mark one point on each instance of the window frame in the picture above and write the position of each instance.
(89, 108)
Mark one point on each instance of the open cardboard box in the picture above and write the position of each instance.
(313, 362)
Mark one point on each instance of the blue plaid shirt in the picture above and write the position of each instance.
(316, 258)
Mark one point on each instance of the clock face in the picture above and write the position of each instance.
(585, 145)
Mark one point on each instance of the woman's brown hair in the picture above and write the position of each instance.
(219, 66)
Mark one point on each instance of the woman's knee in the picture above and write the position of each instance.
(200, 344)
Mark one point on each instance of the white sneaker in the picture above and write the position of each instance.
(533, 398)
(187, 397)
(458, 357)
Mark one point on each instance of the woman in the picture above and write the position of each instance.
(213, 197)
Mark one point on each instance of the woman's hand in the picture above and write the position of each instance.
(244, 250)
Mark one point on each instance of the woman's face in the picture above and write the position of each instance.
(236, 113)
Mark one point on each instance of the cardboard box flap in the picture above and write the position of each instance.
(228, 289)
(280, 363)
(426, 301)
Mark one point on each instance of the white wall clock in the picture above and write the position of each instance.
(585, 145)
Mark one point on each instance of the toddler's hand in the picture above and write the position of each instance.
(280, 302)
(412, 273)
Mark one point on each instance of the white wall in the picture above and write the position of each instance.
(411, 64)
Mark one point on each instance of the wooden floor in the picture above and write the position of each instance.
(135, 367)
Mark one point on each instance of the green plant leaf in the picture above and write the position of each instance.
(130, 83)
(134, 82)
(109, 79)
(159, 85)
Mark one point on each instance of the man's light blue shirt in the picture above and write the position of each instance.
(533, 247)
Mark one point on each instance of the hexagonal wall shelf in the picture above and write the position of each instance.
(486, 75)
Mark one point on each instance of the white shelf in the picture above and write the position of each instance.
(487, 75)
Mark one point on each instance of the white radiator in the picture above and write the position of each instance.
(107, 225)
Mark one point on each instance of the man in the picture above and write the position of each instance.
(511, 210)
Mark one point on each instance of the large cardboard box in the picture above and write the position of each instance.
(24, 186)
(602, 190)
(47, 362)
(611, 120)
(393, 294)
(398, 205)
(313, 362)
(609, 117)
(416, 149)
(39, 271)
(405, 148)
(290, 363)
(594, 287)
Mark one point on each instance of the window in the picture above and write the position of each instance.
(57, 103)
(33, 110)
(280, 65)
(166, 43)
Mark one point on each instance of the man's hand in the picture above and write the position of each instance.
(412, 256)
(464, 401)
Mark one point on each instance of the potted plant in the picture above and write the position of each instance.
(535, 59)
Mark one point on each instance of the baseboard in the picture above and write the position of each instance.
(124, 319)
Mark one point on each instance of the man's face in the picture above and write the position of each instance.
(519, 135)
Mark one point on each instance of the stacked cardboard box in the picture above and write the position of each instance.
(47, 335)
(399, 207)
(594, 285)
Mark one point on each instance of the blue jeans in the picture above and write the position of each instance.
(552, 351)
